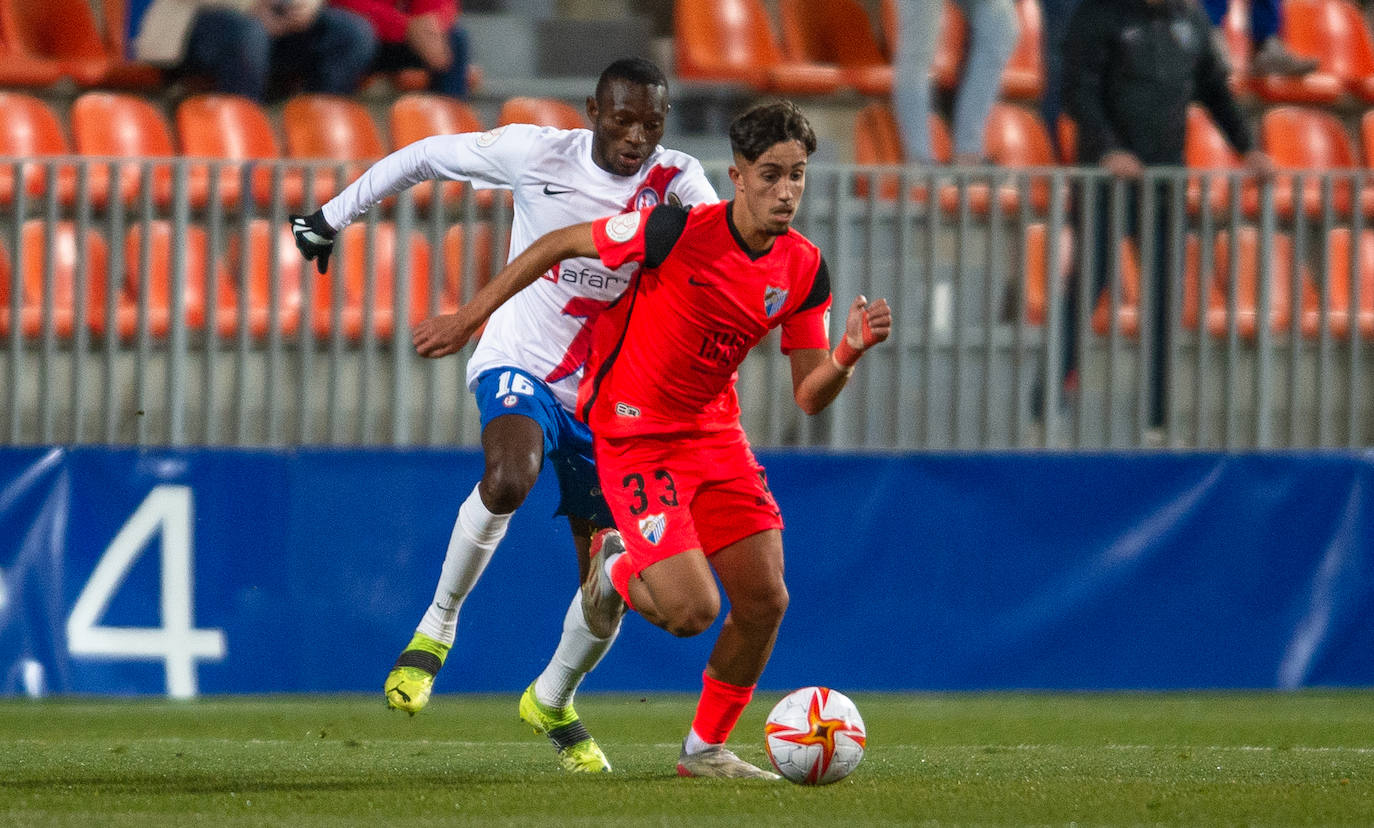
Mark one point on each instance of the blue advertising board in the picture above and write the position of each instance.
(186, 572)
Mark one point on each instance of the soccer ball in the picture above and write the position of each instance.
(815, 736)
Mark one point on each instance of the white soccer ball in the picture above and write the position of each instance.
(815, 736)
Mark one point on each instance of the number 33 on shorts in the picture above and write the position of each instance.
(665, 492)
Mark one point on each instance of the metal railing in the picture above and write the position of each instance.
(1264, 334)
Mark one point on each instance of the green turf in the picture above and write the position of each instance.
(998, 759)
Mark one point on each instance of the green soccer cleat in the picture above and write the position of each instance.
(577, 750)
(411, 679)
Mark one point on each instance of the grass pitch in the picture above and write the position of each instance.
(997, 759)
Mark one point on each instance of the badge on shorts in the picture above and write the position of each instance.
(652, 527)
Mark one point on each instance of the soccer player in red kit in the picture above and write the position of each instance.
(659, 394)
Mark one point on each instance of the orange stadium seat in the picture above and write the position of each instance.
(420, 115)
(332, 128)
(1335, 32)
(355, 255)
(1314, 140)
(29, 129)
(810, 33)
(255, 270)
(199, 266)
(732, 41)
(1367, 138)
(878, 142)
(1280, 256)
(1035, 266)
(17, 67)
(65, 32)
(1307, 32)
(65, 258)
(455, 241)
(1128, 302)
(1205, 148)
(1037, 281)
(1015, 138)
(1023, 79)
(1066, 133)
(1339, 283)
(237, 129)
(115, 125)
(549, 112)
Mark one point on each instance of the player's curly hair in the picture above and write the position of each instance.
(767, 124)
(632, 69)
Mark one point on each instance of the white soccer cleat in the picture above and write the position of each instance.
(718, 762)
(602, 606)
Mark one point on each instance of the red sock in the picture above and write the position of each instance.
(719, 709)
(621, 572)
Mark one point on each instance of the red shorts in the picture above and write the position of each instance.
(672, 494)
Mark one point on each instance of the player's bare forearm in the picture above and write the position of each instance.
(818, 375)
(447, 334)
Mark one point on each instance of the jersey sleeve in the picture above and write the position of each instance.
(486, 159)
(646, 236)
(806, 327)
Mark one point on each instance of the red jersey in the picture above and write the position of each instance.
(665, 355)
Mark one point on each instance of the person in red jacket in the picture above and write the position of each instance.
(419, 33)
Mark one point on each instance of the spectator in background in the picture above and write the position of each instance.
(1054, 22)
(255, 48)
(992, 32)
(1271, 55)
(419, 33)
(1131, 67)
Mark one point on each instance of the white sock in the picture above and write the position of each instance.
(578, 652)
(608, 563)
(475, 536)
(694, 743)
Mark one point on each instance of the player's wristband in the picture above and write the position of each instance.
(845, 355)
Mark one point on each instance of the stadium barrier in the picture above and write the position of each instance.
(160, 302)
(195, 571)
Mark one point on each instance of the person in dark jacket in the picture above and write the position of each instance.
(1131, 68)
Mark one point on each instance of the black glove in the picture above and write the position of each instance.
(314, 238)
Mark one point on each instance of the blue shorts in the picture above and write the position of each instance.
(567, 442)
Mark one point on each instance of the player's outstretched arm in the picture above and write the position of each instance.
(447, 334)
(818, 375)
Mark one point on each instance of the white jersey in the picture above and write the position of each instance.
(544, 328)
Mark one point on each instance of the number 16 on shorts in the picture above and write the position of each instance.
(511, 383)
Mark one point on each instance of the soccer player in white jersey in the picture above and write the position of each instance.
(526, 367)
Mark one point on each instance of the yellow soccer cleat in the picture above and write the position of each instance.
(577, 750)
(411, 679)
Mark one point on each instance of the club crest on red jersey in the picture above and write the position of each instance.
(652, 527)
(773, 299)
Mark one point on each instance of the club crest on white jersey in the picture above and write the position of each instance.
(645, 198)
